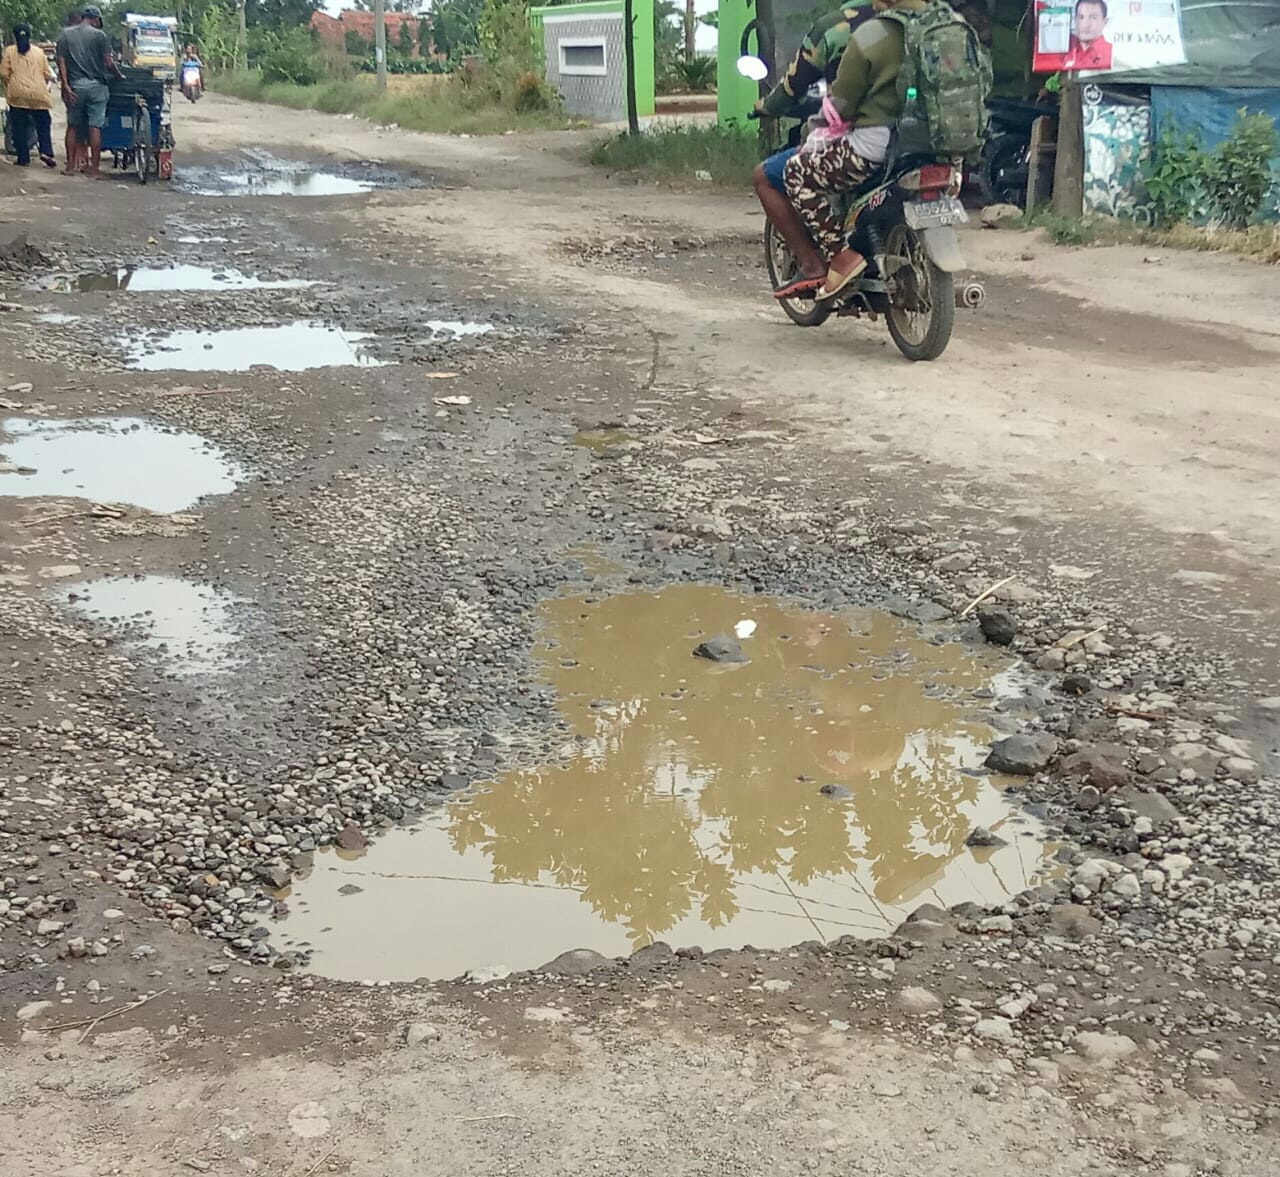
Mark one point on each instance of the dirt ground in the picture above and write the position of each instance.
(1104, 432)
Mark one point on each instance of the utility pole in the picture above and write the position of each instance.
(242, 37)
(1068, 169)
(629, 52)
(380, 40)
(690, 29)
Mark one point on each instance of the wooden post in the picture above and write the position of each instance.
(629, 50)
(1068, 170)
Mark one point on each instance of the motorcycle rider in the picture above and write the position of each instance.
(860, 112)
(816, 60)
(191, 71)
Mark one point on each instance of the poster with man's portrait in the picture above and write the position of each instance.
(1107, 36)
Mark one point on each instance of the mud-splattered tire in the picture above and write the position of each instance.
(780, 263)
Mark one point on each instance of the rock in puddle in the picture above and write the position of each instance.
(721, 648)
(1022, 755)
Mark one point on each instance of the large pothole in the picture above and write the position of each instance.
(112, 460)
(824, 788)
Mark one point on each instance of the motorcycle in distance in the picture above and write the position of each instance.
(192, 82)
(1005, 168)
(903, 221)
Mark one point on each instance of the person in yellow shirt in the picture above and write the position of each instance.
(26, 75)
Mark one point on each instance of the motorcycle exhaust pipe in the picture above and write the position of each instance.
(971, 295)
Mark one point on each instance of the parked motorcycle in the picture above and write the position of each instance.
(1005, 167)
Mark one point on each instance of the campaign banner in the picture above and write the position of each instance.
(1107, 36)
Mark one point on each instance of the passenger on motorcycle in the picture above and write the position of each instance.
(816, 61)
(858, 113)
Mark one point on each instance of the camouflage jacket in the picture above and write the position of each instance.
(818, 58)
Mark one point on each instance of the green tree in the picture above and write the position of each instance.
(455, 27)
(46, 17)
(355, 44)
(405, 40)
(280, 14)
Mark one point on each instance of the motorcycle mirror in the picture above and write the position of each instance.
(752, 67)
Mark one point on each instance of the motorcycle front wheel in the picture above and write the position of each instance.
(922, 298)
(780, 263)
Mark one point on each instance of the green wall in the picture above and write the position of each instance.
(735, 95)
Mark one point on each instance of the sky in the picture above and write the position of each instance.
(706, 36)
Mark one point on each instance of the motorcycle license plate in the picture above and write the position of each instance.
(934, 214)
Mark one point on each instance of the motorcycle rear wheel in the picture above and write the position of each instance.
(780, 263)
(922, 304)
(1002, 174)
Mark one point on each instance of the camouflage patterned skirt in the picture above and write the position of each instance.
(814, 176)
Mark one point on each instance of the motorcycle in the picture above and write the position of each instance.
(903, 222)
(192, 83)
(1005, 167)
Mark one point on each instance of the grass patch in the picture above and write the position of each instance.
(1259, 243)
(435, 104)
(679, 153)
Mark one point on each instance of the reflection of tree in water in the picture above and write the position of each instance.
(671, 799)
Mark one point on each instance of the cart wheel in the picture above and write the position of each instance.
(142, 145)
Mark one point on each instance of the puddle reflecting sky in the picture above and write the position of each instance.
(188, 625)
(280, 183)
(159, 278)
(114, 460)
(689, 808)
(291, 347)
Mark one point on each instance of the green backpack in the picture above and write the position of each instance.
(944, 83)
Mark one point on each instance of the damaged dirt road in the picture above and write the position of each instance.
(363, 498)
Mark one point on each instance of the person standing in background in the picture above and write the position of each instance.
(71, 140)
(85, 62)
(26, 75)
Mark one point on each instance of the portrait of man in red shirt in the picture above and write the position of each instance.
(1090, 49)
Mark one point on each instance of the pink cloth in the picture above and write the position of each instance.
(835, 128)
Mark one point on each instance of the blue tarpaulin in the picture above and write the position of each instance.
(1210, 111)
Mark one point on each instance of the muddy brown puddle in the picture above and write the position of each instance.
(688, 805)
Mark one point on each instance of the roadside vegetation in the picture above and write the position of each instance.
(1202, 199)
(487, 73)
(683, 154)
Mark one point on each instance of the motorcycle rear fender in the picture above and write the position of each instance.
(943, 247)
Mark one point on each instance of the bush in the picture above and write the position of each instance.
(696, 75)
(1239, 173)
(356, 45)
(1175, 178)
(290, 56)
(1226, 186)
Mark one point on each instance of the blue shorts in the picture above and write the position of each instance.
(90, 109)
(775, 166)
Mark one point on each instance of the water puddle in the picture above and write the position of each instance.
(193, 239)
(188, 624)
(57, 318)
(457, 330)
(824, 788)
(601, 439)
(284, 182)
(291, 347)
(147, 279)
(113, 460)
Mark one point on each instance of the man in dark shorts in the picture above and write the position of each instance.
(85, 63)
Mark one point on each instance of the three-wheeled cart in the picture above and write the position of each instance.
(139, 127)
